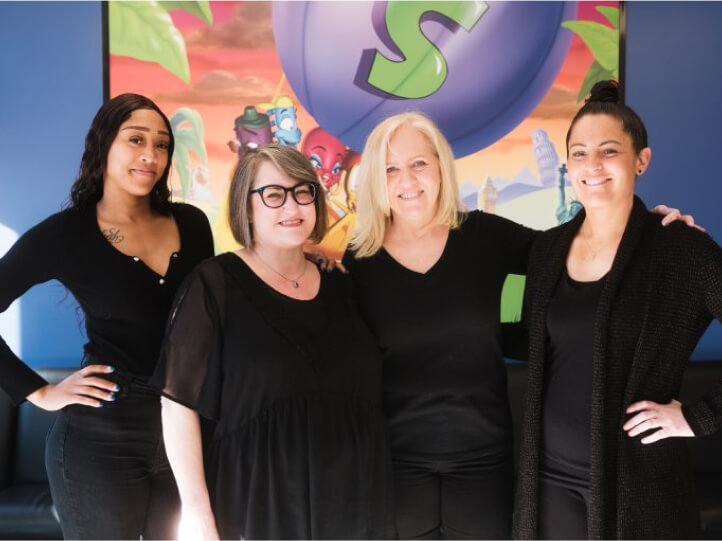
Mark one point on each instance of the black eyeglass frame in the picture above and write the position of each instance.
(292, 190)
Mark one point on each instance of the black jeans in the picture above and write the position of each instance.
(454, 499)
(108, 472)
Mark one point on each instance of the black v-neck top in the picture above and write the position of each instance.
(124, 302)
(440, 336)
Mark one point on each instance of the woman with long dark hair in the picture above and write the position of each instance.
(122, 249)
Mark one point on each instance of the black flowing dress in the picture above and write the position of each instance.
(289, 396)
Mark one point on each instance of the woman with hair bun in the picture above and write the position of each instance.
(122, 249)
(615, 305)
(429, 276)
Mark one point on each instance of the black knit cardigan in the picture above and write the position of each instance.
(664, 288)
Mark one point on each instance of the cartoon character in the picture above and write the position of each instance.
(327, 155)
(334, 163)
(253, 129)
(282, 114)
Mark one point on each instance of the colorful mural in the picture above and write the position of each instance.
(502, 80)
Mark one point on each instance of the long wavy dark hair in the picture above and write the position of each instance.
(87, 189)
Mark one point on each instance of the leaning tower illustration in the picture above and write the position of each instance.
(546, 158)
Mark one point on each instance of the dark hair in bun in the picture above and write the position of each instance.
(604, 99)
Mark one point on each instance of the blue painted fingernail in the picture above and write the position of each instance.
(111, 369)
(112, 397)
(99, 405)
(116, 388)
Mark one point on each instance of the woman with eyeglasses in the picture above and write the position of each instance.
(272, 411)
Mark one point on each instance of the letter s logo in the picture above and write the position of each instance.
(423, 69)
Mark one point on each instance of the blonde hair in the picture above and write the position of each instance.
(289, 161)
(373, 212)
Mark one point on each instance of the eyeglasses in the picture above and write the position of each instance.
(274, 196)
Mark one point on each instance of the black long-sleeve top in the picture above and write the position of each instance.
(444, 384)
(125, 303)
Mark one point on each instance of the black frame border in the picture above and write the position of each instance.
(105, 39)
(622, 48)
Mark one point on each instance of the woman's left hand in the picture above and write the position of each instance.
(671, 215)
(668, 419)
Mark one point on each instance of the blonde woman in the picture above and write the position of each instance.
(271, 381)
(428, 276)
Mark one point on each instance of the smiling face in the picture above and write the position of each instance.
(602, 163)
(138, 155)
(413, 177)
(288, 226)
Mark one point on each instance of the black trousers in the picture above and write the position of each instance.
(108, 472)
(459, 499)
(562, 510)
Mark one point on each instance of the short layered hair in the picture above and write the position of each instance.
(289, 161)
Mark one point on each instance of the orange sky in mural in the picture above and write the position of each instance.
(256, 73)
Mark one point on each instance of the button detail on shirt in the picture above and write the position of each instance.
(136, 259)
(161, 281)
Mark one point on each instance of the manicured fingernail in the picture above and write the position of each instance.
(112, 397)
(99, 405)
(116, 388)
(111, 369)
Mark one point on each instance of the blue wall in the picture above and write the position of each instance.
(674, 81)
(51, 66)
(51, 70)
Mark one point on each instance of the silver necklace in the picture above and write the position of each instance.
(294, 281)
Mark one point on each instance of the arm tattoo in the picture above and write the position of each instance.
(113, 235)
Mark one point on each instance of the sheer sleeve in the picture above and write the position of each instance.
(189, 370)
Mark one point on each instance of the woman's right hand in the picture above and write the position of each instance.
(82, 387)
(197, 524)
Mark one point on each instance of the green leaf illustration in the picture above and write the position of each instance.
(612, 14)
(596, 73)
(144, 30)
(187, 126)
(192, 133)
(200, 9)
(512, 295)
(602, 41)
(182, 164)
